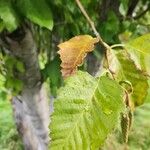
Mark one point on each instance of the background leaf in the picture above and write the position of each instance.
(125, 70)
(110, 27)
(8, 16)
(85, 112)
(52, 71)
(37, 11)
(139, 50)
(123, 8)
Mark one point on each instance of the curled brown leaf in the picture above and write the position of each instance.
(73, 52)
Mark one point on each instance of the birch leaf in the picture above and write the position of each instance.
(85, 112)
(139, 50)
(73, 51)
(125, 69)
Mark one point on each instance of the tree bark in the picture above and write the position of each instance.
(30, 107)
(105, 6)
(132, 6)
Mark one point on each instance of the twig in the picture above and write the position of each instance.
(88, 18)
(92, 24)
(132, 6)
(117, 45)
(105, 45)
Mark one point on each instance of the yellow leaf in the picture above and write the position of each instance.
(73, 51)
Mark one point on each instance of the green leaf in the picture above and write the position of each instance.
(20, 66)
(148, 95)
(86, 111)
(52, 70)
(18, 85)
(3, 95)
(14, 84)
(12, 63)
(2, 26)
(125, 70)
(123, 8)
(37, 11)
(8, 15)
(139, 50)
(110, 27)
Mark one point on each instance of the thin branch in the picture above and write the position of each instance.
(132, 6)
(91, 23)
(88, 18)
(106, 46)
(116, 45)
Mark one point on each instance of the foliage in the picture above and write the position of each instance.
(9, 139)
(8, 16)
(32, 10)
(67, 21)
(87, 108)
(125, 71)
(138, 138)
(74, 51)
(54, 76)
(11, 13)
(140, 52)
(9, 83)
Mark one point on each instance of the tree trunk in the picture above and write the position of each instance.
(31, 105)
(108, 5)
(30, 112)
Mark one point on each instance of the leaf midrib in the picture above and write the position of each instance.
(79, 55)
(81, 115)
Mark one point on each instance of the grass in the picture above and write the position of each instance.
(9, 139)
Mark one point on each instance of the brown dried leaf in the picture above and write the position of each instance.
(73, 51)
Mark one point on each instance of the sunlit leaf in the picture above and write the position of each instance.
(139, 50)
(125, 70)
(20, 66)
(73, 51)
(123, 8)
(13, 84)
(86, 111)
(37, 11)
(8, 16)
